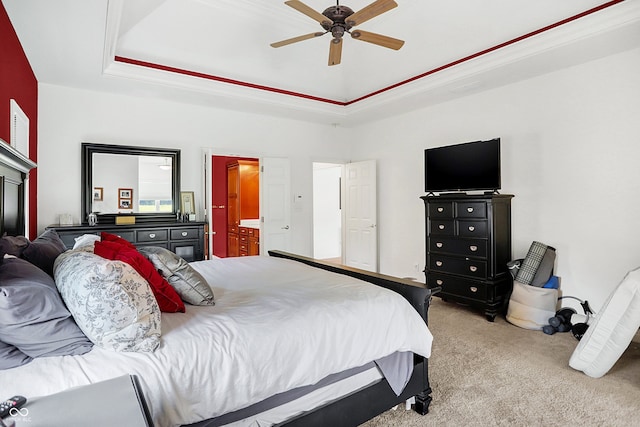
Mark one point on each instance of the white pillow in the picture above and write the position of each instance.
(86, 242)
(112, 304)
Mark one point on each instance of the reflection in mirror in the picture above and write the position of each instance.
(148, 178)
(128, 180)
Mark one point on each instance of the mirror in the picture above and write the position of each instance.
(127, 180)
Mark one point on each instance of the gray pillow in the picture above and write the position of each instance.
(188, 283)
(43, 251)
(11, 357)
(33, 316)
(13, 245)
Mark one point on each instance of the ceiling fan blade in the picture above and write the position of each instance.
(296, 39)
(311, 13)
(378, 39)
(376, 8)
(335, 52)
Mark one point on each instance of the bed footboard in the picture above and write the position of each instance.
(376, 399)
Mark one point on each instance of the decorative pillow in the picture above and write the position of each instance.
(108, 237)
(13, 245)
(43, 251)
(167, 297)
(33, 317)
(11, 357)
(85, 242)
(110, 301)
(190, 285)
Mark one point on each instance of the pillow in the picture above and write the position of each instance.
(11, 357)
(44, 250)
(111, 302)
(85, 242)
(13, 245)
(33, 316)
(167, 297)
(188, 283)
(108, 237)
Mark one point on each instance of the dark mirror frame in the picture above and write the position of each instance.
(89, 149)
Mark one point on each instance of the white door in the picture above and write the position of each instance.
(275, 205)
(360, 230)
(207, 202)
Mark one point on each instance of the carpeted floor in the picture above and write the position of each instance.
(497, 374)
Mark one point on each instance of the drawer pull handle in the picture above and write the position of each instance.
(439, 244)
(473, 289)
(152, 235)
(439, 282)
(473, 248)
(440, 209)
(185, 234)
(441, 226)
(473, 268)
(439, 263)
(469, 210)
(471, 228)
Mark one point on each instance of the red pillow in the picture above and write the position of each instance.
(168, 299)
(108, 237)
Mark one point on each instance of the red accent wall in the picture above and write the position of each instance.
(17, 81)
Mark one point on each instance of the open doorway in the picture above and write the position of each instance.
(327, 212)
(235, 206)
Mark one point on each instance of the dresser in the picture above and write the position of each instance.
(186, 239)
(468, 246)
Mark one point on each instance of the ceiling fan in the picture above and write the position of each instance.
(339, 20)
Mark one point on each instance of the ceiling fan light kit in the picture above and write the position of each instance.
(339, 20)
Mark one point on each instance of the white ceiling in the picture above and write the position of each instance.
(219, 50)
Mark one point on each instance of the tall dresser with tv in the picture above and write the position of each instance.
(468, 226)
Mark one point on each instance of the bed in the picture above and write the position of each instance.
(288, 341)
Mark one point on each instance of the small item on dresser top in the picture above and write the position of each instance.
(66, 219)
(92, 219)
(125, 220)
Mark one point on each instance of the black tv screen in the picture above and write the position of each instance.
(463, 167)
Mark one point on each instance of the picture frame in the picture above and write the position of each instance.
(98, 193)
(187, 202)
(125, 198)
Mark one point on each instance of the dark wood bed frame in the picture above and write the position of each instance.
(351, 410)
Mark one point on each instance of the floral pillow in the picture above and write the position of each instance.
(110, 301)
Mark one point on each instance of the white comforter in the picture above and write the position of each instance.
(277, 325)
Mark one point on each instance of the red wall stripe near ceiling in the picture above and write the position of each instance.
(377, 92)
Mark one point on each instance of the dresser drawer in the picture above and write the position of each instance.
(152, 235)
(471, 210)
(464, 247)
(461, 266)
(244, 238)
(443, 227)
(459, 287)
(184, 233)
(473, 229)
(441, 210)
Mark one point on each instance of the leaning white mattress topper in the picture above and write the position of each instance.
(609, 335)
(277, 325)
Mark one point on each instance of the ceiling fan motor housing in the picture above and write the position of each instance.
(337, 14)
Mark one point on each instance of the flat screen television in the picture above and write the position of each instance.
(463, 167)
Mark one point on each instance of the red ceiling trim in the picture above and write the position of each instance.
(223, 79)
(377, 92)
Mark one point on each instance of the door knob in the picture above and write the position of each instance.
(286, 227)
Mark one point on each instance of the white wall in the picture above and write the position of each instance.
(68, 117)
(327, 216)
(570, 155)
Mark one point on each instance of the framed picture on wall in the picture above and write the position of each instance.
(97, 194)
(187, 202)
(125, 198)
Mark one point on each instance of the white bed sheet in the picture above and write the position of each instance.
(273, 329)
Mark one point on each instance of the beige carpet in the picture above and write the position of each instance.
(496, 374)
